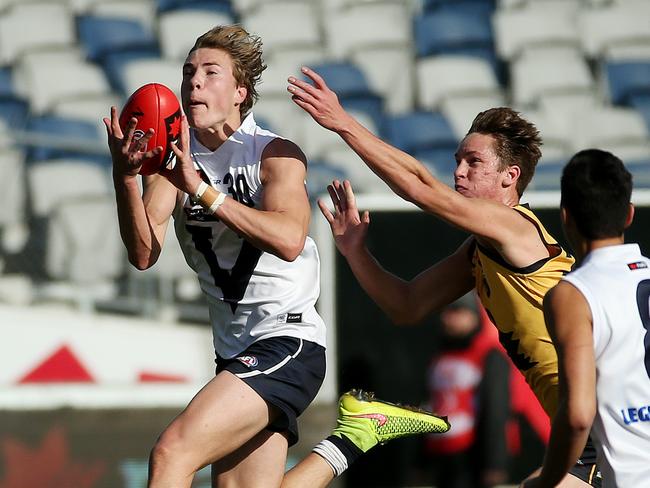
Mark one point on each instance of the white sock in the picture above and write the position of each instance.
(333, 455)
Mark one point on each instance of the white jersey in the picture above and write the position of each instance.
(251, 294)
(615, 281)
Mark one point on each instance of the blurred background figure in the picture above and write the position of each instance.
(468, 380)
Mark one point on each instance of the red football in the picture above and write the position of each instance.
(156, 107)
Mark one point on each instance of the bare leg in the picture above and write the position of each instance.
(569, 481)
(221, 418)
(312, 471)
(257, 464)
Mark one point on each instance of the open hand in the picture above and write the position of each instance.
(318, 100)
(348, 228)
(127, 152)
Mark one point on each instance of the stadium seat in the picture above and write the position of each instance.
(84, 247)
(316, 141)
(12, 188)
(390, 73)
(619, 130)
(14, 111)
(91, 109)
(284, 24)
(178, 29)
(483, 6)
(440, 162)
(419, 131)
(6, 82)
(439, 77)
(448, 31)
(613, 25)
(352, 88)
(101, 35)
(141, 11)
(626, 79)
(548, 70)
(362, 178)
(222, 7)
(641, 103)
(53, 181)
(52, 137)
(461, 110)
(517, 29)
(152, 70)
(367, 25)
(114, 65)
(48, 25)
(68, 76)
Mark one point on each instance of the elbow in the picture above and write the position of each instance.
(290, 249)
(581, 420)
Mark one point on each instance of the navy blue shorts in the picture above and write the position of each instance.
(286, 372)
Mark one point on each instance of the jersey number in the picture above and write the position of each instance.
(233, 284)
(643, 303)
(238, 188)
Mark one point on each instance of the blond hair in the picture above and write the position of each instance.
(245, 50)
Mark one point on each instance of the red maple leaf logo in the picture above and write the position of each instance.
(46, 466)
(175, 127)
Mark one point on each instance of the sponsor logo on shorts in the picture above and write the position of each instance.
(250, 361)
(289, 318)
(638, 265)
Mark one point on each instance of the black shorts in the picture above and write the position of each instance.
(586, 468)
(286, 372)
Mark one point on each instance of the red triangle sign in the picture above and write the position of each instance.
(62, 366)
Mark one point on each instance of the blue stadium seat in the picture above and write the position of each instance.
(484, 6)
(455, 30)
(114, 63)
(450, 30)
(352, 88)
(14, 111)
(219, 6)
(641, 102)
(626, 79)
(101, 35)
(6, 83)
(420, 131)
(56, 137)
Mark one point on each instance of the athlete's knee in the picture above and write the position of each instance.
(171, 452)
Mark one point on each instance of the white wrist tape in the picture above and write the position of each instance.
(200, 190)
(217, 202)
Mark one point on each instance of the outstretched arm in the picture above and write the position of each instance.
(143, 218)
(405, 302)
(569, 321)
(509, 233)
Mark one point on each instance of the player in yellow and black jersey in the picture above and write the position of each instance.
(510, 259)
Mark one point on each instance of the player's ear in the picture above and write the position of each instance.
(512, 174)
(240, 94)
(630, 215)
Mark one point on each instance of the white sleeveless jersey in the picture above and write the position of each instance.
(615, 281)
(251, 294)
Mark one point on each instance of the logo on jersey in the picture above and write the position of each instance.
(636, 414)
(289, 318)
(638, 265)
(250, 361)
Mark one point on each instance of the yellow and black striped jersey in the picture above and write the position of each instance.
(513, 299)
